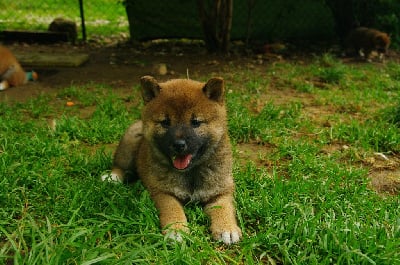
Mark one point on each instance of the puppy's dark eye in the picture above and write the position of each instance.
(165, 123)
(195, 123)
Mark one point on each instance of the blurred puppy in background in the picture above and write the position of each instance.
(11, 72)
(365, 41)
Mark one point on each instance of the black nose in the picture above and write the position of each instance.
(180, 145)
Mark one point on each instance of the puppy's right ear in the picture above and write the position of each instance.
(150, 88)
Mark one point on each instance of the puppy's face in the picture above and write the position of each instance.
(184, 121)
(182, 141)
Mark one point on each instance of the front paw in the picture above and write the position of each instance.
(112, 177)
(176, 231)
(174, 235)
(4, 85)
(227, 236)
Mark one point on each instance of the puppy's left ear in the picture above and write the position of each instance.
(150, 88)
(214, 89)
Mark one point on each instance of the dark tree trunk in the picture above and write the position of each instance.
(216, 20)
(343, 14)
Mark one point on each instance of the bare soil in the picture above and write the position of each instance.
(118, 65)
(121, 65)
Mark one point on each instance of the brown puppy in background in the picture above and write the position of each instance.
(11, 72)
(63, 25)
(181, 151)
(364, 41)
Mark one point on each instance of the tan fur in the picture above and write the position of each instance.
(11, 71)
(367, 40)
(210, 179)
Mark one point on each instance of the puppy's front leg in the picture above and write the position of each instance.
(172, 216)
(223, 219)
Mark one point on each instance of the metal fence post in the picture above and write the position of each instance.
(82, 20)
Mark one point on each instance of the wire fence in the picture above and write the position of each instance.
(143, 19)
(102, 17)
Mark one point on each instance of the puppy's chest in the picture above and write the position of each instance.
(195, 186)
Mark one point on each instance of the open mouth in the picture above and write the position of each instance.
(182, 162)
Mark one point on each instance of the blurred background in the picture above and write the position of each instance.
(252, 20)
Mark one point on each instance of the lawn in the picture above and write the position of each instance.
(105, 18)
(310, 138)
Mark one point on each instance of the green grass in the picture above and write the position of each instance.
(295, 203)
(102, 18)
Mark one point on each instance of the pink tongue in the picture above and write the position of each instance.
(182, 162)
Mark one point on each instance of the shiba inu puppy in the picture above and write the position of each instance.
(365, 41)
(181, 151)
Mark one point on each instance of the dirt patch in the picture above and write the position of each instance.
(255, 152)
(119, 66)
(384, 173)
(386, 181)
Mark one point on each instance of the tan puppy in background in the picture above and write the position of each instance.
(11, 72)
(365, 41)
(181, 151)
